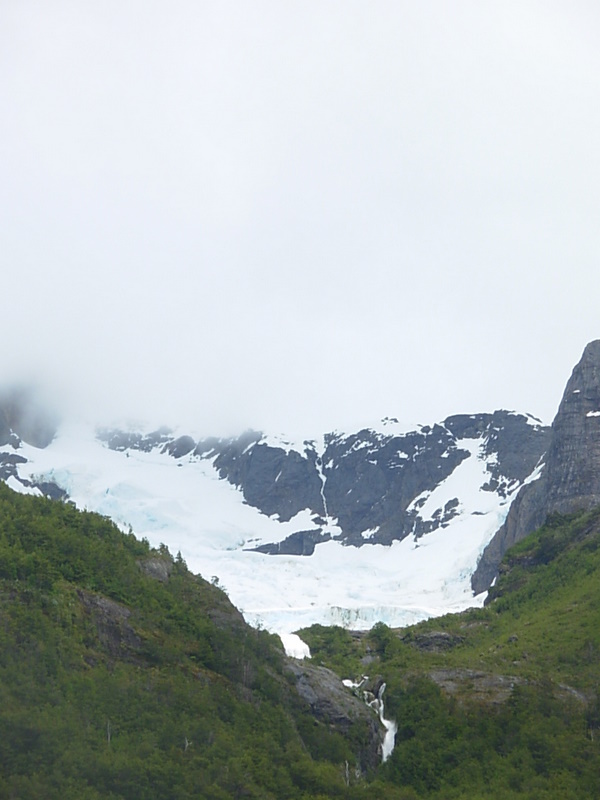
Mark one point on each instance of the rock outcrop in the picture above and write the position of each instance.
(435, 641)
(111, 620)
(333, 704)
(570, 479)
(484, 687)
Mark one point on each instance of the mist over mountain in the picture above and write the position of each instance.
(376, 528)
(383, 523)
(380, 524)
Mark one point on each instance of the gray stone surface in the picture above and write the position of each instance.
(111, 621)
(570, 480)
(273, 480)
(301, 543)
(157, 567)
(482, 686)
(332, 703)
(180, 447)
(124, 440)
(365, 480)
(436, 641)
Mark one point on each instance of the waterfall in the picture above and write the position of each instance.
(390, 725)
(376, 703)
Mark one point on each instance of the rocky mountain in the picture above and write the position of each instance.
(388, 523)
(385, 523)
(570, 478)
(365, 487)
(141, 667)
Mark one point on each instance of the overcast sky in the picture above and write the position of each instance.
(299, 215)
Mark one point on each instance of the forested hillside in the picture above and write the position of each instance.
(500, 702)
(122, 675)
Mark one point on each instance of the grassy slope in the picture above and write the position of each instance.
(468, 734)
(114, 684)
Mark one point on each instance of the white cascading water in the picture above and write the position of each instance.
(376, 703)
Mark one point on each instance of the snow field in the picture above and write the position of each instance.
(183, 504)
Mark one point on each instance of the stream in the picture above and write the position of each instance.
(376, 703)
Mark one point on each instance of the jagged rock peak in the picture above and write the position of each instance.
(573, 460)
(570, 480)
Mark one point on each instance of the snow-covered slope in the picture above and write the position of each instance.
(382, 525)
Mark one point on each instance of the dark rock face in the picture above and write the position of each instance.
(157, 567)
(123, 440)
(481, 686)
(373, 479)
(436, 641)
(365, 482)
(51, 490)
(301, 543)
(111, 621)
(273, 480)
(518, 446)
(572, 474)
(570, 480)
(8, 465)
(331, 703)
(180, 447)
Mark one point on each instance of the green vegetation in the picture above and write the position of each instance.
(116, 682)
(122, 675)
(500, 702)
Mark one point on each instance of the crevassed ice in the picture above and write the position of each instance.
(191, 510)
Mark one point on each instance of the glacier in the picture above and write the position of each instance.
(184, 504)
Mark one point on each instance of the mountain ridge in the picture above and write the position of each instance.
(498, 702)
(570, 480)
(380, 524)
